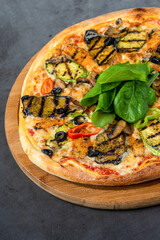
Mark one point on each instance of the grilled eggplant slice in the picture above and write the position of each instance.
(46, 106)
(102, 49)
(151, 137)
(111, 151)
(132, 42)
(65, 69)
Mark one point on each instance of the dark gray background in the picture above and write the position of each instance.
(26, 211)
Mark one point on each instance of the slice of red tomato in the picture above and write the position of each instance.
(47, 86)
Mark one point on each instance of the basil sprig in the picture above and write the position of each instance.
(122, 89)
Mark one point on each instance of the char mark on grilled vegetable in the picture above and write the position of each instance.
(112, 150)
(133, 41)
(109, 151)
(46, 106)
(102, 49)
(78, 54)
(65, 70)
(92, 153)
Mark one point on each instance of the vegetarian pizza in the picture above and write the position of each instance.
(90, 103)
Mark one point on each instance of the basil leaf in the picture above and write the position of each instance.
(92, 96)
(105, 100)
(131, 102)
(151, 96)
(125, 72)
(101, 119)
(109, 86)
(151, 78)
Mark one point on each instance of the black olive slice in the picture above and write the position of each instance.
(79, 120)
(47, 152)
(89, 35)
(60, 110)
(60, 136)
(155, 60)
(110, 41)
(92, 153)
(26, 97)
(56, 91)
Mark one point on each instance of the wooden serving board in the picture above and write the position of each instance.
(127, 197)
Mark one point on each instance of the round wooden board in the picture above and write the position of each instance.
(127, 197)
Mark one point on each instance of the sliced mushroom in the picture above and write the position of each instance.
(157, 91)
(57, 59)
(92, 78)
(118, 128)
(156, 83)
(156, 86)
(76, 103)
(83, 80)
(116, 32)
(119, 22)
(58, 83)
(129, 128)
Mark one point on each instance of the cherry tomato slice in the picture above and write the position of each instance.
(47, 86)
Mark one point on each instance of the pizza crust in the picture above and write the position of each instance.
(73, 172)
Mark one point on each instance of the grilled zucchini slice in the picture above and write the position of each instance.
(111, 151)
(151, 137)
(52, 143)
(50, 68)
(132, 42)
(47, 106)
(66, 70)
(102, 49)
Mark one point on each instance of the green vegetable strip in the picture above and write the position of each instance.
(148, 118)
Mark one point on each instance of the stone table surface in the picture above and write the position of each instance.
(26, 211)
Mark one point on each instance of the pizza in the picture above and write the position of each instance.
(113, 136)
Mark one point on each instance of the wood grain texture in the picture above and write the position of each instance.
(127, 197)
